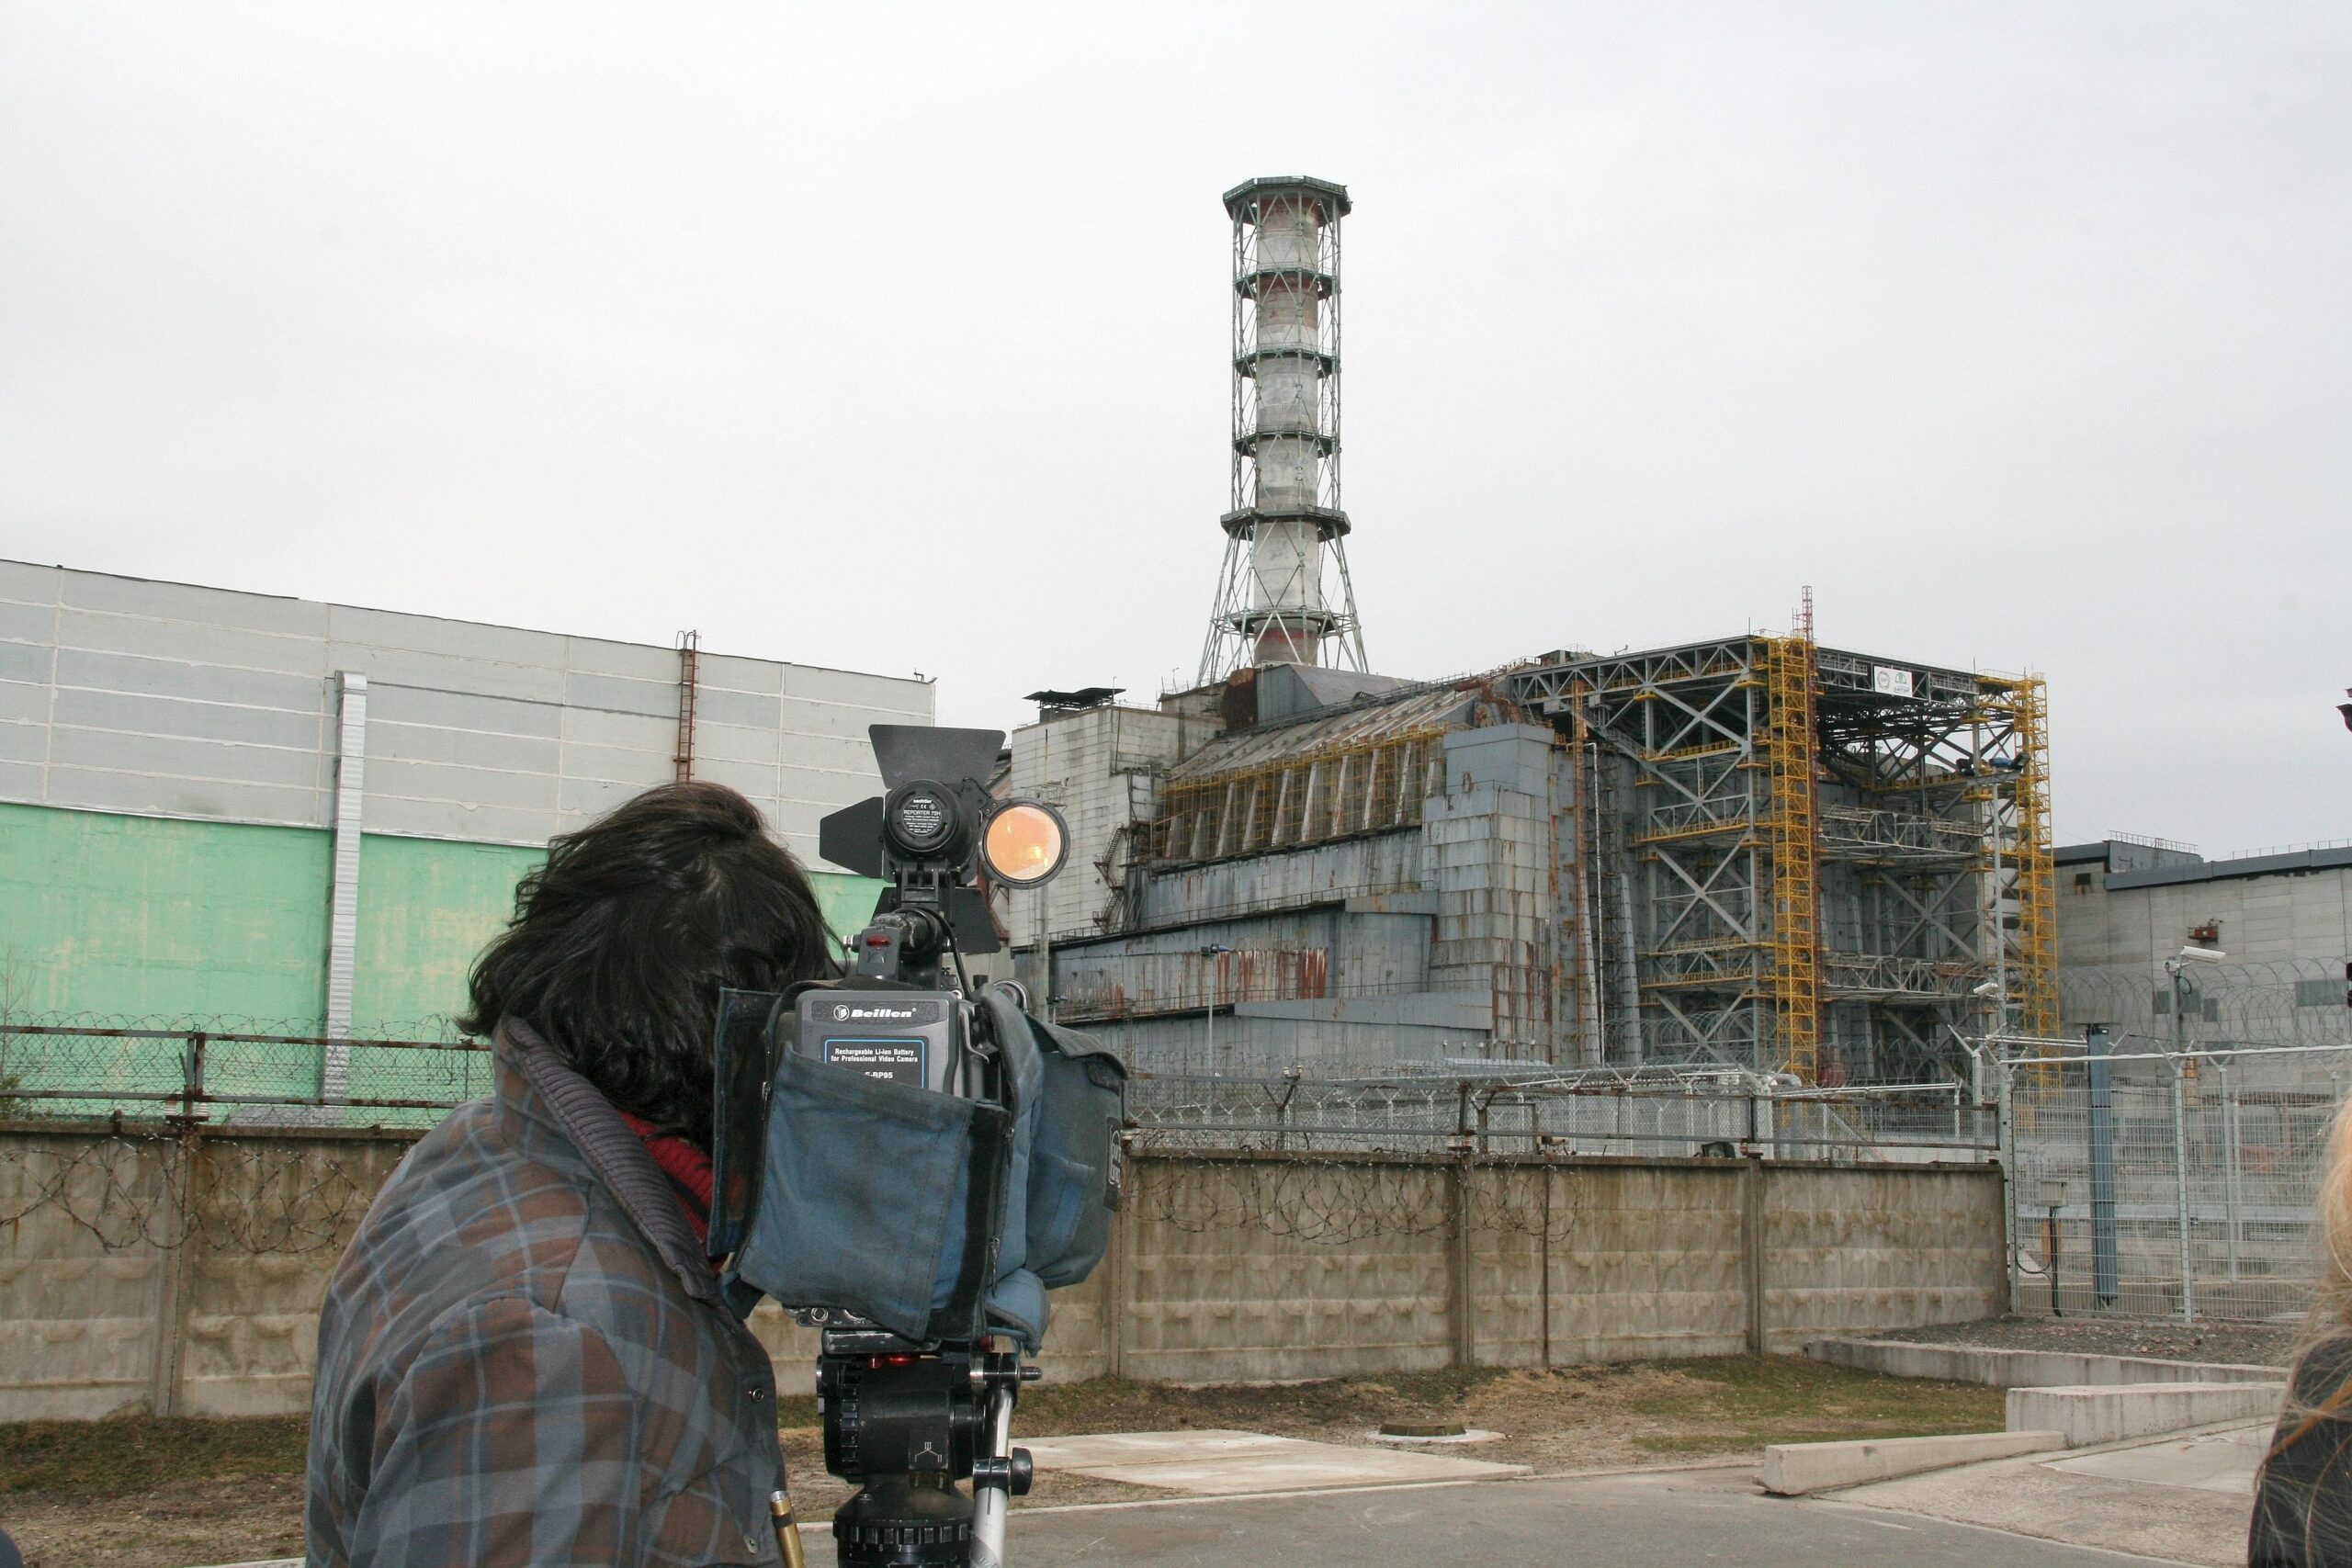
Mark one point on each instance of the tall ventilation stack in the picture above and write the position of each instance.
(1283, 595)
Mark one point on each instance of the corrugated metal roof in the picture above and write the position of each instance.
(1368, 723)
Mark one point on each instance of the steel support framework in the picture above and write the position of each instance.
(1826, 892)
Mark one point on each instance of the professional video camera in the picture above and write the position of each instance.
(907, 1160)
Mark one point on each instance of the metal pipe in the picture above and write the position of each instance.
(343, 896)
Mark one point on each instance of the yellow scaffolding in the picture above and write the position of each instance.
(1791, 838)
(2024, 704)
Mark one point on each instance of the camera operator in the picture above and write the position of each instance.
(524, 1356)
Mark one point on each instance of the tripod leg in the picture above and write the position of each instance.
(992, 1502)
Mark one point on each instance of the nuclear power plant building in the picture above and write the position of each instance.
(1755, 854)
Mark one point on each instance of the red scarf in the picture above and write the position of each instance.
(687, 1168)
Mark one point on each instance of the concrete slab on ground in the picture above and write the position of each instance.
(2147, 1509)
(1655, 1519)
(1649, 1519)
(1997, 1367)
(2208, 1461)
(1213, 1462)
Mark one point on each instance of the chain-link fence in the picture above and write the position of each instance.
(1526, 1109)
(235, 1072)
(2156, 1184)
(2142, 1183)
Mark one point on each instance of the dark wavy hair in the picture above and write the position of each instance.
(623, 937)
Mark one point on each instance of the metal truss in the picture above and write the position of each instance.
(1920, 841)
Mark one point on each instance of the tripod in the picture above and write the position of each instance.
(906, 1421)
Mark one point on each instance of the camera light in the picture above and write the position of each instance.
(926, 821)
(1025, 843)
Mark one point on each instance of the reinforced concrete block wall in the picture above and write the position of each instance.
(160, 1274)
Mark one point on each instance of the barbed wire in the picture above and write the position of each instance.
(1339, 1203)
(158, 1187)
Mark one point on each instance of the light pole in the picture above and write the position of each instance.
(2181, 991)
(2183, 987)
(1213, 952)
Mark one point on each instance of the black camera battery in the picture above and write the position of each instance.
(906, 1037)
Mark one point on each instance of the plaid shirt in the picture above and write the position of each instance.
(524, 1358)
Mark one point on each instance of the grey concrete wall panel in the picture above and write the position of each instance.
(465, 748)
(217, 760)
(195, 683)
(472, 641)
(24, 583)
(148, 795)
(176, 640)
(817, 757)
(173, 700)
(907, 697)
(19, 780)
(392, 780)
(133, 715)
(395, 703)
(25, 702)
(27, 623)
(722, 672)
(446, 672)
(631, 660)
(23, 742)
(756, 779)
(838, 721)
(583, 800)
(629, 731)
(195, 606)
(743, 708)
(26, 661)
(737, 743)
(611, 692)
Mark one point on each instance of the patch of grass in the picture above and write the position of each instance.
(132, 1453)
(1754, 1400)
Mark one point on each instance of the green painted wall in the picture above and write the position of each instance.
(137, 917)
(150, 921)
(426, 906)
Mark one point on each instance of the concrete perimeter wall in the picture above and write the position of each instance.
(184, 1276)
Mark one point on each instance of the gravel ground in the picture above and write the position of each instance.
(2253, 1344)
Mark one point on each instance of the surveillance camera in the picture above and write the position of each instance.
(2203, 955)
(1989, 989)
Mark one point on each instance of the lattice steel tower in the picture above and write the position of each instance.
(1283, 595)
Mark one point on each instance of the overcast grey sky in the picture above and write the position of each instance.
(895, 337)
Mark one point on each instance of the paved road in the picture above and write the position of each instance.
(1664, 1519)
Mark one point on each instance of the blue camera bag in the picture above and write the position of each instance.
(934, 1216)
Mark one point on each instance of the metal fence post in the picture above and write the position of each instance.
(2106, 1259)
(2232, 1188)
(2180, 1187)
(2007, 1133)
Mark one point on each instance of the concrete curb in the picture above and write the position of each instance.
(1792, 1470)
(2107, 1413)
(2027, 1369)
